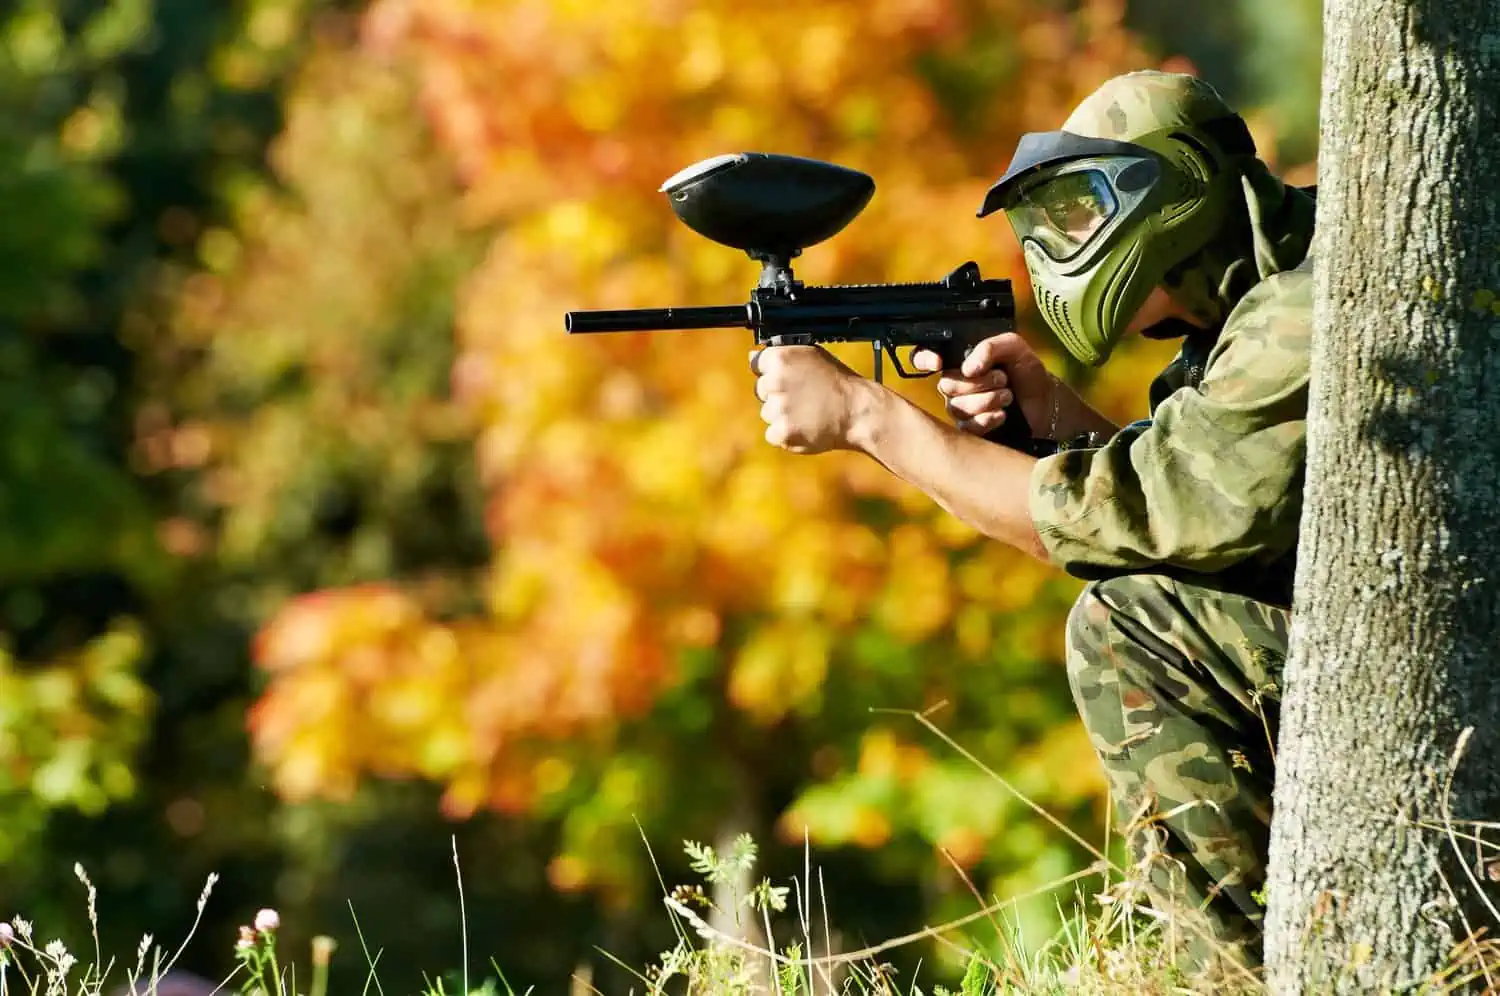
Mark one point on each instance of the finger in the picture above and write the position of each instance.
(772, 382)
(985, 421)
(755, 361)
(776, 435)
(772, 410)
(926, 359)
(982, 423)
(986, 401)
(995, 350)
(990, 380)
(970, 426)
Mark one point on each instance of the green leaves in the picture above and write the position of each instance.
(69, 731)
(739, 860)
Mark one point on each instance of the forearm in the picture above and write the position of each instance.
(1074, 416)
(985, 485)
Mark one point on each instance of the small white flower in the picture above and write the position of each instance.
(7, 935)
(208, 887)
(267, 920)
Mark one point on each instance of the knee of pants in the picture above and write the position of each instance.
(1088, 622)
(1094, 635)
(1087, 640)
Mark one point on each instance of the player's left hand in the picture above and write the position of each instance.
(808, 397)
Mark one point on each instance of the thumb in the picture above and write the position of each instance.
(997, 350)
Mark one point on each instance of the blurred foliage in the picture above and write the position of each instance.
(124, 126)
(282, 372)
(68, 733)
(298, 416)
(672, 603)
(1264, 56)
(65, 505)
(72, 520)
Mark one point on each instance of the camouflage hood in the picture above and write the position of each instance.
(1273, 237)
(1270, 224)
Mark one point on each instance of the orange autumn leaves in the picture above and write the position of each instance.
(634, 509)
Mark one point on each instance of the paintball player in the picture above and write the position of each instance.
(1148, 213)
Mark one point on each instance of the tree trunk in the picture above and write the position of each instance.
(1397, 616)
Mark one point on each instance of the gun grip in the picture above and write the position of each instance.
(1015, 431)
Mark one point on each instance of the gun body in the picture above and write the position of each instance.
(949, 317)
(772, 206)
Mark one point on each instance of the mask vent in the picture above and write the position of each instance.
(1055, 309)
(1057, 312)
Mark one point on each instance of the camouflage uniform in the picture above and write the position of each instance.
(1186, 525)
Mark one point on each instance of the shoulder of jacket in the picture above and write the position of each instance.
(1286, 295)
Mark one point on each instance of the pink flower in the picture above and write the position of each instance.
(7, 935)
(267, 921)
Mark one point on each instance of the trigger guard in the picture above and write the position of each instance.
(891, 348)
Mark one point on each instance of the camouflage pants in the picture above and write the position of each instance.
(1179, 687)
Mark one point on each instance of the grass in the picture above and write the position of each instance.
(1118, 948)
(1112, 942)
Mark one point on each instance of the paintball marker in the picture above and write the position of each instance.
(774, 206)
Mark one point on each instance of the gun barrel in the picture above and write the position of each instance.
(725, 316)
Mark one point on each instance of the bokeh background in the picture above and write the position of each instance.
(321, 543)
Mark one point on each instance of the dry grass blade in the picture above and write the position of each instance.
(704, 930)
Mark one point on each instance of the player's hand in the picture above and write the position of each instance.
(808, 397)
(999, 370)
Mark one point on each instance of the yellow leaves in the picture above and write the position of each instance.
(918, 597)
(965, 845)
(821, 54)
(635, 510)
(553, 775)
(567, 873)
(973, 630)
(882, 755)
(597, 235)
(595, 109)
(364, 681)
(1067, 748)
(662, 467)
(704, 61)
(780, 669)
(871, 828)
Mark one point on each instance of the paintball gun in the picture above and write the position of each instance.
(773, 206)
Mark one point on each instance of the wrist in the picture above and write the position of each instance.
(1072, 416)
(869, 412)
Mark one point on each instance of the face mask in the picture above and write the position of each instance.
(1100, 222)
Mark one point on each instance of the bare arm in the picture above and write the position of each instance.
(985, 485)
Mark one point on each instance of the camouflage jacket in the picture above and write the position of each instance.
(1211, 484)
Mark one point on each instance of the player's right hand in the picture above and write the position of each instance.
(1000, 369)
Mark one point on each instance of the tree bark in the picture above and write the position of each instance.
(1397, 614)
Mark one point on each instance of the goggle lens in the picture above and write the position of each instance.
(1063, 213)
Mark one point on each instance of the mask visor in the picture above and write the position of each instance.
(1064, 214)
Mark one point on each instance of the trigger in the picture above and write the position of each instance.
(879, 359)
